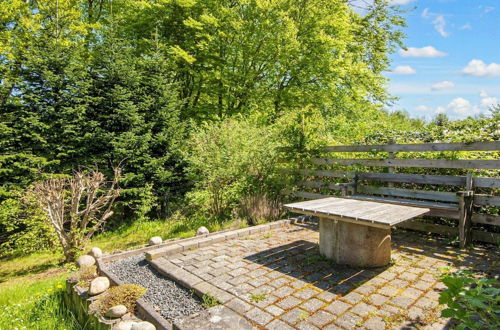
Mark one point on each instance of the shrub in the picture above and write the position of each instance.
(22, 227)
(125, 294)
(475, 302)
(83, 276)
(230, 161)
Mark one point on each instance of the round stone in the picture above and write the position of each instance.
(202, 231)
(95, 252)
(143, 326)
(116, 311)
(85, 260)
(123, 325)
(98, 285)
(155, 240)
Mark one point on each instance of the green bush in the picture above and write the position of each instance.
(125, 294)
(229, 161)
(22, 230)
(475, 302)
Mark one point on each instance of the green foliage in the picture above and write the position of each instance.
(125, 294)
(36, 306)
(22, 227)
(209, 301)
(83, 276)
(255, 297)
(230, 160)
(473, 301)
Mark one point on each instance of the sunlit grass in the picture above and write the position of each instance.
(35, 305)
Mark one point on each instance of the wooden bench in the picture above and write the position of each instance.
(464, 198)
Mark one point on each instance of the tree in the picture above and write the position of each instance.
(269, 57)
(77, 207)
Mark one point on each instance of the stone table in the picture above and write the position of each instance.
(356, 232)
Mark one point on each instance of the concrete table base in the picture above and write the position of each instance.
(354, 244)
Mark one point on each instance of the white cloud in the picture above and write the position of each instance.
(463, 107)
(404, 69)
(442, 85)
(466, 26)
(486, 9)
(439, 25)
(425, 13)
(480, 69)
(427, 51)
(423, 108)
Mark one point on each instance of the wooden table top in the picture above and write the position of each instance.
(369, 213)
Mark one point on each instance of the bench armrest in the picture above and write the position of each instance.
(466, 193)
(344, 187)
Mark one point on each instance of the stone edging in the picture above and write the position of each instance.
(199, 241)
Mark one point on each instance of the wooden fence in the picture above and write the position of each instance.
(438, 182)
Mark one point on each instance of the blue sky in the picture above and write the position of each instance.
(453, 60)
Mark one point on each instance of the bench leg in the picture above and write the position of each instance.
(353, 244)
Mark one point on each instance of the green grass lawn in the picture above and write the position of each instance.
(31, 286)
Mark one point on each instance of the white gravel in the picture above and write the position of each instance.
(170, 299)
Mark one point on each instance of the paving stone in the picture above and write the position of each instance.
(274, 310)
(327, 296)
(377, 299)
(352, 297)
(279, 282)
(338, 307)
(401, 301)
(278, 325)
(397, 283)
(304, 325)
(412, 293)
(362, 309)
(295, 315)
(389, 291)
(258, 316)
(283, 292)
(374, 323)
(365, 290)
(305, 294)
(299, 284)
(426, 303)
(410, 277)
(312, 305)
(388, 275)
(321, 318)
(348, 321)
(416, 313)
(422, 285)
(288, 303)
(258, 281)
(239, 305)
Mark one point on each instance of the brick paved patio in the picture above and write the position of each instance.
(278, 280)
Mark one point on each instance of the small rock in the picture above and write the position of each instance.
(123, 325)
(95, 252)
(143, 326)
(116, 311)
(155, 240)
(98, 285)
(85, 261)
(202, 231)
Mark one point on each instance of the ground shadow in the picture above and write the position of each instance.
(301, 259)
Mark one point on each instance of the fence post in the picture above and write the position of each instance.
(390, 168)
(465, 203)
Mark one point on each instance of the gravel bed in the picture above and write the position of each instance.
(171, 299)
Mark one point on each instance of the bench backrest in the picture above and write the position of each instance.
(382, 173)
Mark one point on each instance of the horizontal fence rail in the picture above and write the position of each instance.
(476, 146)
(427, 163)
